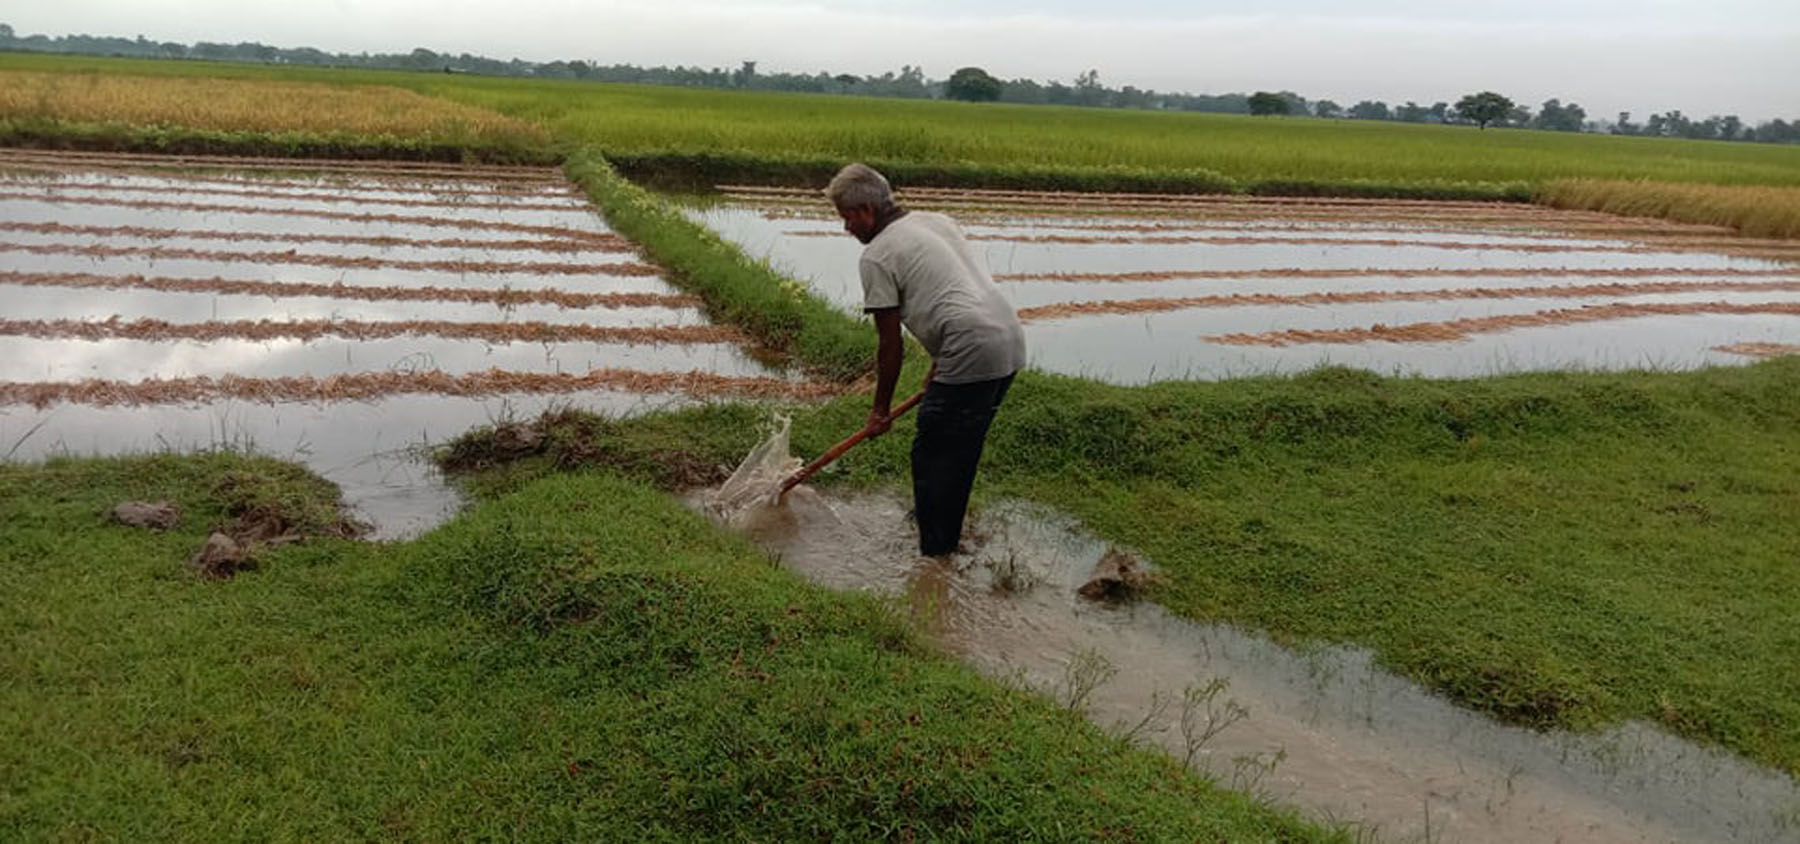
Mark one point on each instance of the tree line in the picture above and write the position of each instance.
(970, 83)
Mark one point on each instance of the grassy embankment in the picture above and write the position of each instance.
(1553, 549)
(582, 660)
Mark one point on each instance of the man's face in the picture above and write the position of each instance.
(859, 222)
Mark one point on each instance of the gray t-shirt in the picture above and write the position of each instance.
(922, 265)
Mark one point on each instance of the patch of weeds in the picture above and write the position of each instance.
(1085, 672)
(1204, 716)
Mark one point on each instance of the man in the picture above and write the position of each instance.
(918, 271)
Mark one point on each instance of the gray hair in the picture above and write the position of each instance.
(860, 186)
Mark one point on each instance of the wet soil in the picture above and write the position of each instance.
(1324, 730)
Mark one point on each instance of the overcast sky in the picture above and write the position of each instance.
(1699, 56)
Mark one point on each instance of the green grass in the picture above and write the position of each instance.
(740, 291)
(581, 660)
(1008, 141)
(1553, 549)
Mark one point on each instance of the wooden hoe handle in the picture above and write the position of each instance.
(838, 450)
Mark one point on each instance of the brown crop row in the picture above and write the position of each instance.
(1461, 329)
(503, 297)
(1577, 291)
(373, 385)
(334, 181)
(1102, 202)
(1083, 196)
(481, 172)
(400, 219)
(1524, 228)
(1759, 350)
(1495, 215)
(1376, 272)
(630, 268)
(1764, 249)
(258, 193)
(307, 330)
(595, 243)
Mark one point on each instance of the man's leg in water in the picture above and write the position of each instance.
(952, 428)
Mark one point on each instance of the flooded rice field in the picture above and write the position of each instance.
(1326, 731)
(1132, 288)
(344, 314)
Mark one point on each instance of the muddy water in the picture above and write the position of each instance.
(62, 303)
(1326, 730)
(33, 359)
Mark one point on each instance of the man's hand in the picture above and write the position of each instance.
(880, 420)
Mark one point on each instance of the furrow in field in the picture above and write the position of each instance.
(1376, 272)
(335, 182)
(344, 198)
(1578, 291)
(503, 297)
(306, 330)
(371, 385)
(1759, 350)
(348, 216)
(226, 162)
(592, 243)
(629, 268)
(1450, 331)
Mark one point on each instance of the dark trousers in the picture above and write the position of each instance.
(952, 428)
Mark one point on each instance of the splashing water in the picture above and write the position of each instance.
(756, 485)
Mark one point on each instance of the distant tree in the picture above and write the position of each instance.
(972, 84)
(1327, 108)
(1439, 111)
(1411, 113)
(1088, 90)
(1483, 108)
(1625, 126)
(1556, 117)
(1264, 103)
(1520, 116)
(6, 33)
(1730, 127)
(744, 75)
(1370, 110)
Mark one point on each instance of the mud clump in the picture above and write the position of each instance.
(570, 440)
(276, 510)
(157, 515)
(1118, 576)
(221, 558)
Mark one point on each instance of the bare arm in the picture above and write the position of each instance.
(887, 369)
